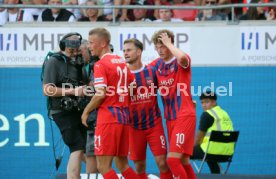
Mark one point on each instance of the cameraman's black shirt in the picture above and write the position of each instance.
(58, 72)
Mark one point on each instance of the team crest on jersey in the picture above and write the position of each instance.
(149, 81)
(172, 68)
(160, 71)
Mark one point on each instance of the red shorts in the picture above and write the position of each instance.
(111, 139)
(138, 140)
(181, 134)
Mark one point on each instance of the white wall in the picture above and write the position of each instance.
(209, 44)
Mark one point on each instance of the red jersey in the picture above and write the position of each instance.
(144, 111)
(111, 72)
(174, 83)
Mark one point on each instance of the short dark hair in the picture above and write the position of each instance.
(136, 43)
(208, 95)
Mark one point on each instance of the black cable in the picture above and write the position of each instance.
(53, 140)
(53, 144)
(57, 159)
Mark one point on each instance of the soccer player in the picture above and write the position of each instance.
(174, 78)
(111, 81)
(145, 115)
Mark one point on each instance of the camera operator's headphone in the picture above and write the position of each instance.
(62, 41)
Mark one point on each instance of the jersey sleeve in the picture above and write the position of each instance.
(153, 63)
(100, 77)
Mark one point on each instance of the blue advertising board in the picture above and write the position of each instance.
(247, 93)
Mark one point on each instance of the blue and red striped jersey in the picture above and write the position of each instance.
(174, 83)
(144, 111)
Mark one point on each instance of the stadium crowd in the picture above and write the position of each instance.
(72, 15)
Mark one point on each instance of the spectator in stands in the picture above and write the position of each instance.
(123, 12)
(76, 12)
(213, 118)
(56, 14)
(34, 11)
(120, 14)
(271, 15)
(90, 14)
(16, 14)
(106, 12)
(254, 13)
(186, 15)
(166, 15)
(3, 14)
(210, 14)
(226, 11)
(159, 3)
(141, 14)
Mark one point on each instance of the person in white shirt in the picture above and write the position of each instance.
(3, 16)
(166, 16)
(16, 14)
(34, 11)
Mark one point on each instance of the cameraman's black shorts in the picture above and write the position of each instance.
(72, 131)
(91, 122)
(90, 143)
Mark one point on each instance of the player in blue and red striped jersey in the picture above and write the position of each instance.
(111, 81)
(145, 115)
(174, 77)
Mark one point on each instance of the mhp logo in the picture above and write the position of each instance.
(258, 40)
(250, 41)
(8, 42)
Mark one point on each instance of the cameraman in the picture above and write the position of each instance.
(63, 84)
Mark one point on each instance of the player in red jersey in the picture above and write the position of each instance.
(174, 78)
(145, 115)
(111, 81)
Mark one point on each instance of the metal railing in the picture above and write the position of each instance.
(225, 6)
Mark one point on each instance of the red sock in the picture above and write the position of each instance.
(166, 175)
(111, 175)
(190, 172)
(177, 168)
(130, 174)
(143, 176)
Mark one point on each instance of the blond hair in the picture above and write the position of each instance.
(102, 33)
